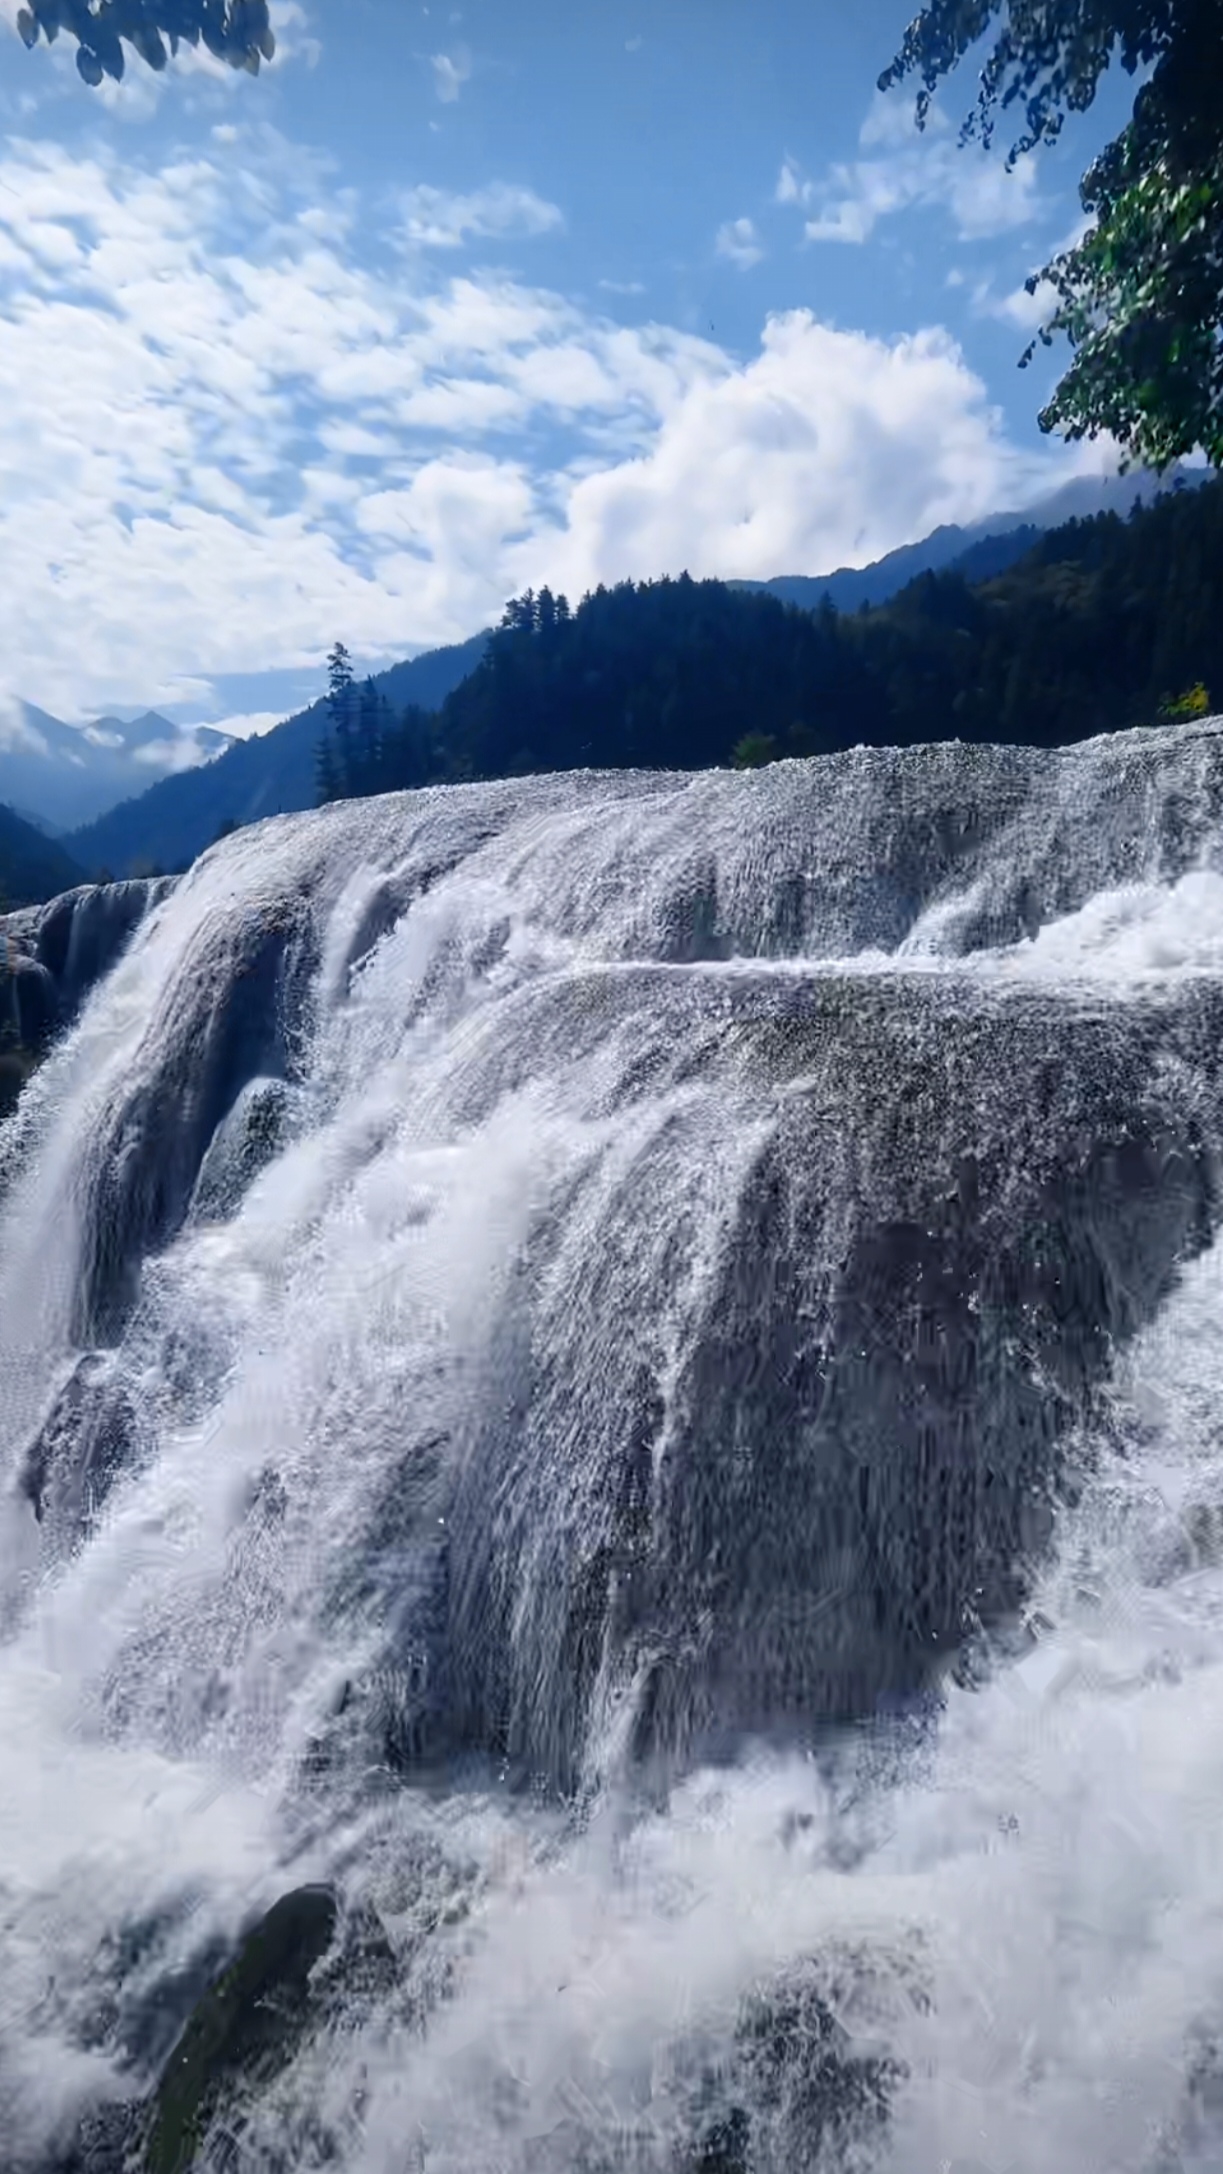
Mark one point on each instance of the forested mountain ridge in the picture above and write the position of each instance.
(63, 776)
(1105, 623)
(1095, 626)
(980, 549)
(33, 867)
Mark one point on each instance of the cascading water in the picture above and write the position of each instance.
(626, 1371)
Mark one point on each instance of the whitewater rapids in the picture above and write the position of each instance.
(628, 1370)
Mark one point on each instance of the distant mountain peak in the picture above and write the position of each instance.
(66, 774)
(168, 823)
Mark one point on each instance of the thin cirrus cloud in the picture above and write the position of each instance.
(219, 455)
(907, 167)
(445, 219)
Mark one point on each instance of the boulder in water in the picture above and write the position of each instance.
(87, 1437)
(246, 1140)
(245, 2029)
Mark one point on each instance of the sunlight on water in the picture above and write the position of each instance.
(417, 1336)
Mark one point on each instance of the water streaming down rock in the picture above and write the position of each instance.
(68, 944)
(51, 955)
(527, 1309)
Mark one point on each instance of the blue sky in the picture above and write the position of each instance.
(456, 299)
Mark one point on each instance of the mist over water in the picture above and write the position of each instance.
(537, 1324)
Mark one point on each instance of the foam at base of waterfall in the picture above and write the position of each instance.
(1047, 1880)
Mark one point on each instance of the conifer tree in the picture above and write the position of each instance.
(326, 773)
(367, 738)
(340, 685)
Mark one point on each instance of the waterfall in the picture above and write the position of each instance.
(623, 1371)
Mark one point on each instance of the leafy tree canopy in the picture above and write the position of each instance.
(1140, 297)
(237, 31)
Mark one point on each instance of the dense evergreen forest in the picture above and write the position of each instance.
(1104, 624)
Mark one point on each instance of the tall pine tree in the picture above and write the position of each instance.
(340, 705)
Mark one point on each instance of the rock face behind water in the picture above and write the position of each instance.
(777, 1500)
(51, 956)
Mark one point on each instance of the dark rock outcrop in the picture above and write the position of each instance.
(249, 974)
(776, 1502)
(76, 938)
(246, 2027)
(246, 1140)
(50, 958)
(87, 1437)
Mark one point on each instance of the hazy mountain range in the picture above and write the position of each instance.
(87, 785)
(273, 774)
(60, 776)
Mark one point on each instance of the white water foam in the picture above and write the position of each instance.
(1047, 1870)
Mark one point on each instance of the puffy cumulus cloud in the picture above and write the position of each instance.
(909, 167)
(480, 506)
(1028, 311)
(442, 219)
(739, 241)
(226, 439)
(829, 448)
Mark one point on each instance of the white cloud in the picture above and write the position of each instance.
(441, 219)
(1018, 307)
(739, 241)
(450, 72)
(16, 729)
(911, 168)
(791, 187)
(892, 121)
(622, 286)
(215, 462)
(168, 757)
(249, 724)
(829, 449)
(1028, 311)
